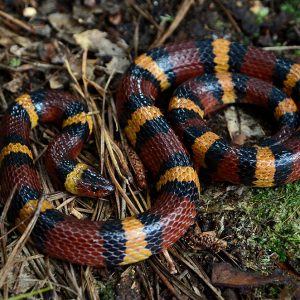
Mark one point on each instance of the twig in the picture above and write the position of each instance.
(29, 66)
(182, 11)
(144, 13)
(165, 280)
(77, 85)
(281, 48)
(102, 124)
(174, 281)
(191, 264)
(141, 270)
(136, 36)
(229, 16)
(19, 245)
(17, 21)
(131, 206)
(3, 237)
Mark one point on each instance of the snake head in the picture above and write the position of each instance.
(93, 184)
(86, 181)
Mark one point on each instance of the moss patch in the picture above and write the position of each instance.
(276, 214)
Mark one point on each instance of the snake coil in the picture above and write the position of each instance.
(233, 73)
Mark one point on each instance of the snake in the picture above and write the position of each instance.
(207, 75)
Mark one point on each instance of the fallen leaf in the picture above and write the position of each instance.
(8, 38)
(241, 125)
(15, 84)
(97, 41)
(223, 274)
(117, 65)
(55, 82)
(64, 23)
(76, 67)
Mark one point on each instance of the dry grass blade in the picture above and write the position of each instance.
(110, 145)
(136, 36)
(138, 202)
(142, 271)
(77, 85)
(103, 131)
(164, 279)
(19, 245)
(91, 284)
(172, 281)
(3, 215)
(84, 72)
(198, 270)
(31, 294)
(121, 160)
(144, 13)
(282, 48)
(131, 206)
(229, 16)
(17, 21)
(3, 238)
(28, 67)
(98, 88)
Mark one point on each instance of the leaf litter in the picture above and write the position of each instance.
(85, 48)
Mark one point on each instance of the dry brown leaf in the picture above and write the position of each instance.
(15, 84)
(55, 82)
(8, 38)
(97, 41)
(26, 279)
(241, 123)
(64, 23)
(76, 67)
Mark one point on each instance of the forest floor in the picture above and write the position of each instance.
(245, 243)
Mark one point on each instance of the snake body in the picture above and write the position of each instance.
(118, 242)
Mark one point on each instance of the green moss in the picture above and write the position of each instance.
(30, 294)
(297, 53)
(262, 14)
(274, 291)
(15, 62)
(276, 215)
(107, 292)
(166, 18)
(292, 7)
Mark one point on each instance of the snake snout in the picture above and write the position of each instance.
(93, 184)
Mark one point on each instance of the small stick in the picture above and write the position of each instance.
(165, 280)
(281, 48)
(136, 36)
(17, 21)
(229, 16)
(19, 245)
(145, 14)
